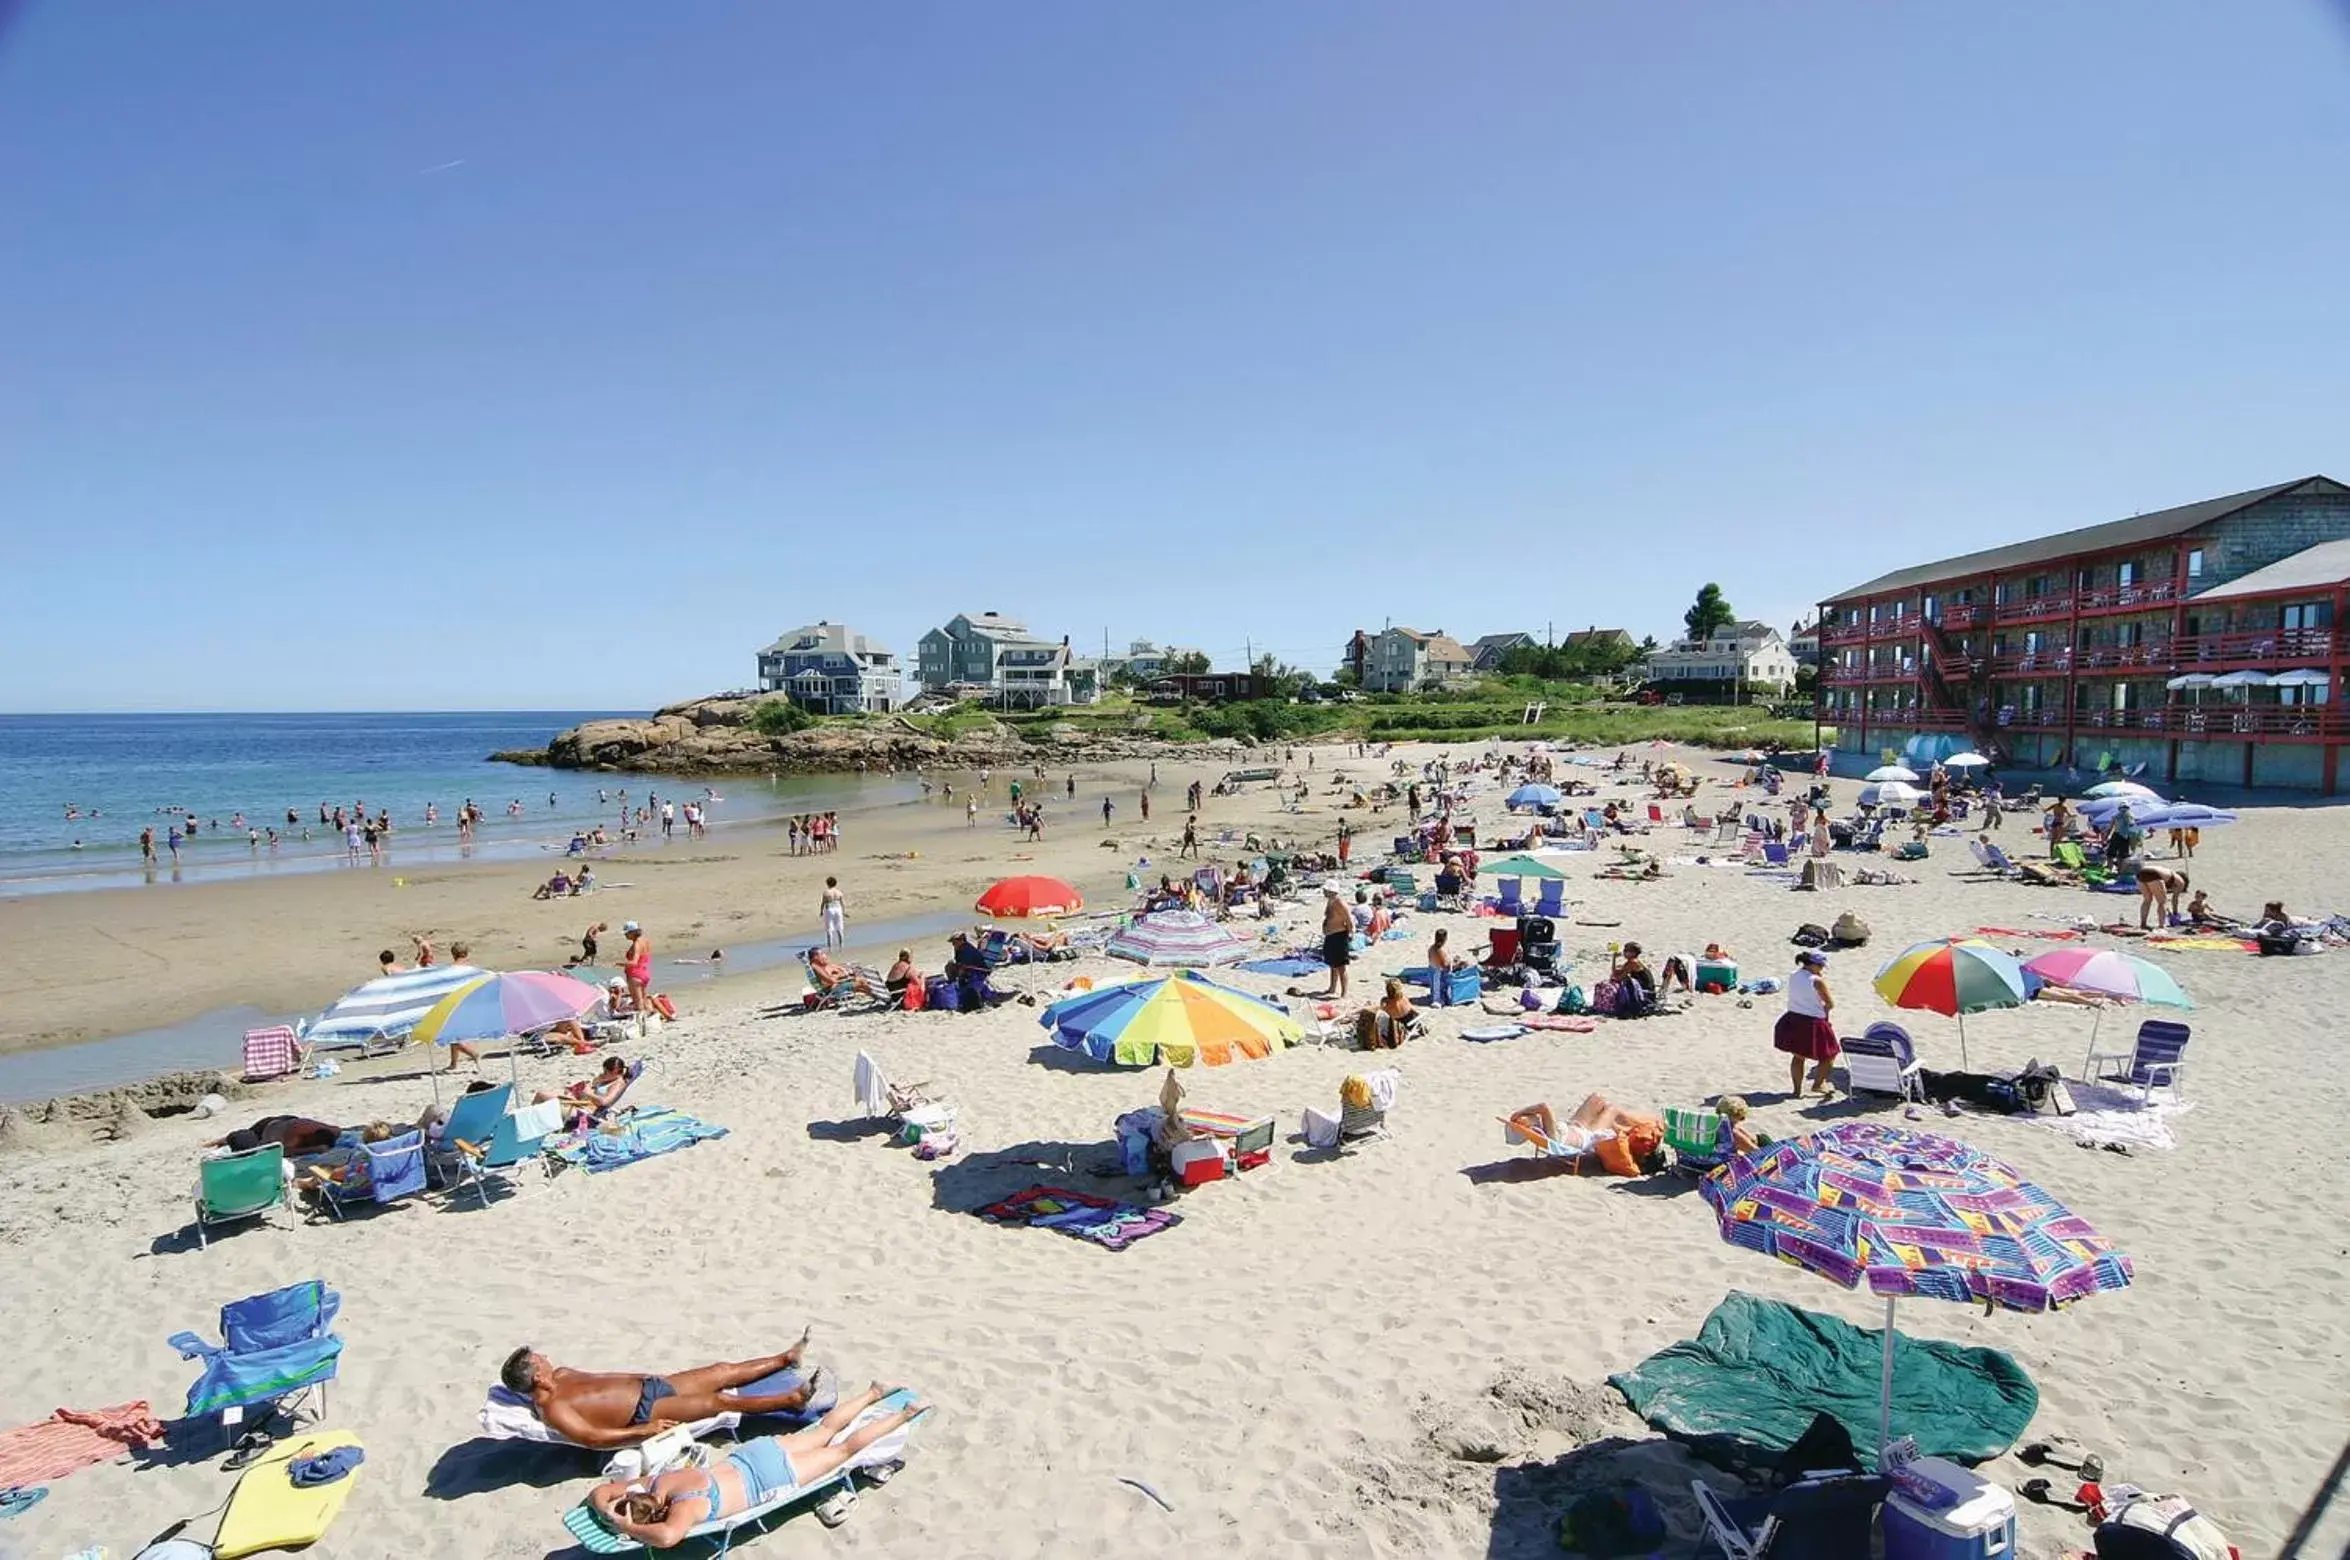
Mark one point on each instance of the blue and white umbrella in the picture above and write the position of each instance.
(388, 1007)
(1535, 796)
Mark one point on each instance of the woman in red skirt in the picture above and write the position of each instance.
(1804, 1031)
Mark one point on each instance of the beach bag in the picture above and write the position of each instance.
(2160, 1527)
(916, 991)
(1850, 931)
(942, 995)
(1571, 1000)
(1603, 997)
(1810, 935)
(2042, 1091)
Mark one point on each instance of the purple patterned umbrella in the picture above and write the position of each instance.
(1178, 937)
(1912, 1214)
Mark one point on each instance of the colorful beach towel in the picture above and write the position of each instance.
(650, 1133)
(1568, 1023)
(1103, 1220)
(2203, 944)
(72, 1439)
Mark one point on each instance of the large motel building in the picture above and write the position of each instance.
(2204, 642)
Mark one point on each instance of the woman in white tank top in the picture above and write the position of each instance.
(1805, 1031)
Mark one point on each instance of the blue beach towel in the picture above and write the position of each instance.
(1288, 965)
(325, 1467)
(650, 1134)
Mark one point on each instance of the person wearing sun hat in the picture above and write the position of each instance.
(1805, 1031)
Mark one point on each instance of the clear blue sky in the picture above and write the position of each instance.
(438, 355)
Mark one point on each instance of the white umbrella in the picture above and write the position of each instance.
(1891, 793)
(2301, 678)
(1965, 761)
(2242, 680)
(2190, 680)
(2122, 791)
(1892, 772)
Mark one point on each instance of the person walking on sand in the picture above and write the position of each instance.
(1145, 800)
(970, 812)
(835, 911)
(1190, 846)
(1346, 842)
(1805, 1031)
(1072, 787)
(636, 968)
(2060, 822)
(1108, 811)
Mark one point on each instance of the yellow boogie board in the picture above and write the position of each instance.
(267, 1511)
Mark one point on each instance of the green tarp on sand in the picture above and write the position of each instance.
(1758, 1370)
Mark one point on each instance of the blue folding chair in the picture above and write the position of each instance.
(508, 1150)
(273, 1349)
(1509, 903)
(1551, 898)
(394, 1169)
(474, 1119)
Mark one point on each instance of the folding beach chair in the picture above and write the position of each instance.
(395, 1169)
(1656, 814)
(273, 1349)
(1694, 1134)
(275, 1052)
(1551, 898)
(1881, 1060)
(831, 1496)
(473, 1119)
(1774, 854)
(2154, 1060)
(1508, 901)
(909, 1105)
(516, 1141)
(234, 1187)
(1822, 1516)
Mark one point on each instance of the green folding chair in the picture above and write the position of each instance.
(236, 1187)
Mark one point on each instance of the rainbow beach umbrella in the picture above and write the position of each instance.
(1911, 1214)
(1170, 1020)
(2107, 972)
(1953, 976)
(515, 1002)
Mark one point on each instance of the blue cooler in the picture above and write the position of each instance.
(1939, 1510)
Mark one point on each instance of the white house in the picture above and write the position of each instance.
(1145, 662)
(1749, 654)
(1402, 659)
(832, 669)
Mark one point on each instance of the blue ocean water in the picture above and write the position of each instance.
(76, 790)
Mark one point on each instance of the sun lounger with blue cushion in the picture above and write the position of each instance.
(832, 1494)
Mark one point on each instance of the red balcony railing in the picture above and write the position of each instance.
(2123, 659)
(1843, 633)
(2210, 651)
(1961, 614)
(2032, 609)
(2206, 721)
(2121, 597)
(2032, 663)
(1894, 627)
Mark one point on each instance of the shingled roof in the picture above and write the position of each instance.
(2064, 544)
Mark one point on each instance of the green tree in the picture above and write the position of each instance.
(1191, 663)
(1708, 612)
(780, 718)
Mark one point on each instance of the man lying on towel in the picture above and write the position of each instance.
(615, 1408)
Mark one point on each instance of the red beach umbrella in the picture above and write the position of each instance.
(1023, 898)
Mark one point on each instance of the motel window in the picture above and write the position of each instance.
(2121, 696)
(2126, 575)
(2194, 563)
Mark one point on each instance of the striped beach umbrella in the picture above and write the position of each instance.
(1178, 937)
(388, 1007)
(2108, 972)
(517, 1002)
(1953, 976)
(1911, 1214)
(1170, 1020)
(1024, 898)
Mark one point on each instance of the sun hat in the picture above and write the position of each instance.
(616, 984)
(630, 926)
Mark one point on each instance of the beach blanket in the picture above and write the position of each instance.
(1103, 1220)
(1755, 1374)
(651, 1132)
(2025, 931)
(1287, 965)
(1489, 1032)
(73, 1439)
(2203, 944)
(2105, 1113)
(1567, 1023)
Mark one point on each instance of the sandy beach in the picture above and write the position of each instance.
(1401, 1351)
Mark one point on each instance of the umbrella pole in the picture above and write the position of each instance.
(1963, 1064)
(1885, 1388)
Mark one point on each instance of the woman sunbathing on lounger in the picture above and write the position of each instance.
(663, 1512)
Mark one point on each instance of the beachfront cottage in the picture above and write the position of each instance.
(2202, 642)
(1145, 662)
(1737, 658)
(832, 669)
(1486, 652)
(1404, 659)
(996, 657)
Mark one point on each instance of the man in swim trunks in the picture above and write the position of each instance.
(620, 1408)
(1338, 930)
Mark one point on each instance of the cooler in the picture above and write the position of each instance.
(1962, 1517)
(1717, 972)
(1198, 1160)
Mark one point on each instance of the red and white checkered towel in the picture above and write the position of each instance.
(270, 1053)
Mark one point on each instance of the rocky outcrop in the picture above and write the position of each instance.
(715, 737)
